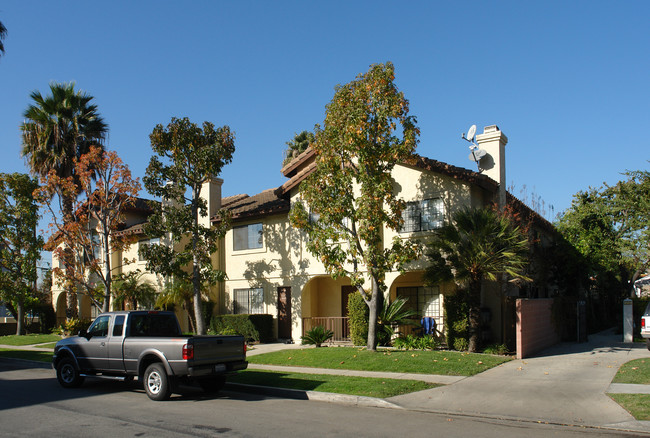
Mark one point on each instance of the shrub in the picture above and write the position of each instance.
(499, 349)
(317, 336)
(412, 342)
(358, 319)
(457, 319)
(74, 326)
(235, 324)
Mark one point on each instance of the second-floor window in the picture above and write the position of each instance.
(248, 237)
(424, 215)
(143, 243)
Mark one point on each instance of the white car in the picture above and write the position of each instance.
(645, 326)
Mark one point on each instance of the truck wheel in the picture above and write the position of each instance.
(212, 384)
(67, 374)
(156, 382)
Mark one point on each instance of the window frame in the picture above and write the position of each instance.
(249, 307)
(238, 241)
(423, 215)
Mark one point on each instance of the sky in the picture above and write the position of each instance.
(566, 82)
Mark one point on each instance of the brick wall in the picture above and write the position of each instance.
(535, 328)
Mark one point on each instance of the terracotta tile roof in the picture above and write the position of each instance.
(290, 169)
(455, 172)
(262, 204)
(225, 202)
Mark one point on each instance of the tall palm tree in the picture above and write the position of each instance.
(57, 129)
(3, 34)
(479, 244)
(132, 289)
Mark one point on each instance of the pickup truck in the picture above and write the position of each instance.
(148, 345)
(645, 326)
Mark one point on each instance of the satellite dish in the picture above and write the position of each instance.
(471, 133)
(476, 155)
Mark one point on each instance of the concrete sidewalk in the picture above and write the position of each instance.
(566, 384)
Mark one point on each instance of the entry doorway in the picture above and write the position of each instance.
(284, 312)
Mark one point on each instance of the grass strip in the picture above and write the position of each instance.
(449, 363)
(39, 356)
(361, 386)
(28, 339)
(635, 371)
(638, 405)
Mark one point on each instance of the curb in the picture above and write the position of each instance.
(330, 397)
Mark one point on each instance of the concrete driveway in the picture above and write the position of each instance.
(565, 384)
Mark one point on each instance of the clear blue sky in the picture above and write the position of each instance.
(567, 82)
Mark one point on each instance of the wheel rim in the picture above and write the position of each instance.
(154, 382)
(67, 373)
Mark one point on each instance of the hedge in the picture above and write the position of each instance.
(255, 328)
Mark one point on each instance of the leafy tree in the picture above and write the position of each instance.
(19, 245)
(58, 129)
(186, 157)
(610, 228)
(298, 145)
(91, 234)
(367, 130)
(130, 288)
(3, 35)
(478, 244)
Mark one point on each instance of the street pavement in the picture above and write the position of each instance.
(566, 385)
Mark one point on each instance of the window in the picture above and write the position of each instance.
(424, 300)
(99, 327)
(143, 243)
(118, 325)
(424, 215)
(248, 301)
(248, 237)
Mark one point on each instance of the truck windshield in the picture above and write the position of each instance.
(153, 324)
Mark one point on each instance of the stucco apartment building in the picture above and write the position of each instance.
(270, 271)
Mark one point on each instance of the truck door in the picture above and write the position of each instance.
(94, 351)
(115, 360)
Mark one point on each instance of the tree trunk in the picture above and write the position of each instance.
(72, 306)
(20, 319)
(196, 279)
(373, 306)
(474, 315)
(106, 306)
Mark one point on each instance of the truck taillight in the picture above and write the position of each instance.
(642, 322)
(245, 347)
(188, 352)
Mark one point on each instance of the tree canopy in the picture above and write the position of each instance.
(186, 156)
(20, 247)
(348, 199)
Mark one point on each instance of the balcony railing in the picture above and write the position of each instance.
(338, 324)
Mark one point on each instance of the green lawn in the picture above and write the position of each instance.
(362, 386)
(636, 404)
(450, 363)
(39, 356)
(28, 339)
(636, 371)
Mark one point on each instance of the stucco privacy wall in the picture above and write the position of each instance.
(535, 328)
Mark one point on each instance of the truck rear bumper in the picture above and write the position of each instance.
(222, 368)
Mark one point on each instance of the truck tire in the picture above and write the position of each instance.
(67, 374)
(212, 384)
(156, 382)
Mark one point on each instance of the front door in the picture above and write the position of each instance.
(284, 312)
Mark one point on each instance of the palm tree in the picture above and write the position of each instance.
(57, 129)
(178, 293)
(479, 244)
(130, 288)
(297, 145)
(3, 34)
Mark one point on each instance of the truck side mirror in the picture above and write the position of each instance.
(84, 334)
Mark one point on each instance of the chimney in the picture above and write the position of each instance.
(493, 141)
(211, 192)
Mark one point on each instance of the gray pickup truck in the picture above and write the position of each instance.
(148, 345)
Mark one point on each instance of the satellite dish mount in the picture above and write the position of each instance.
(475, 153)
